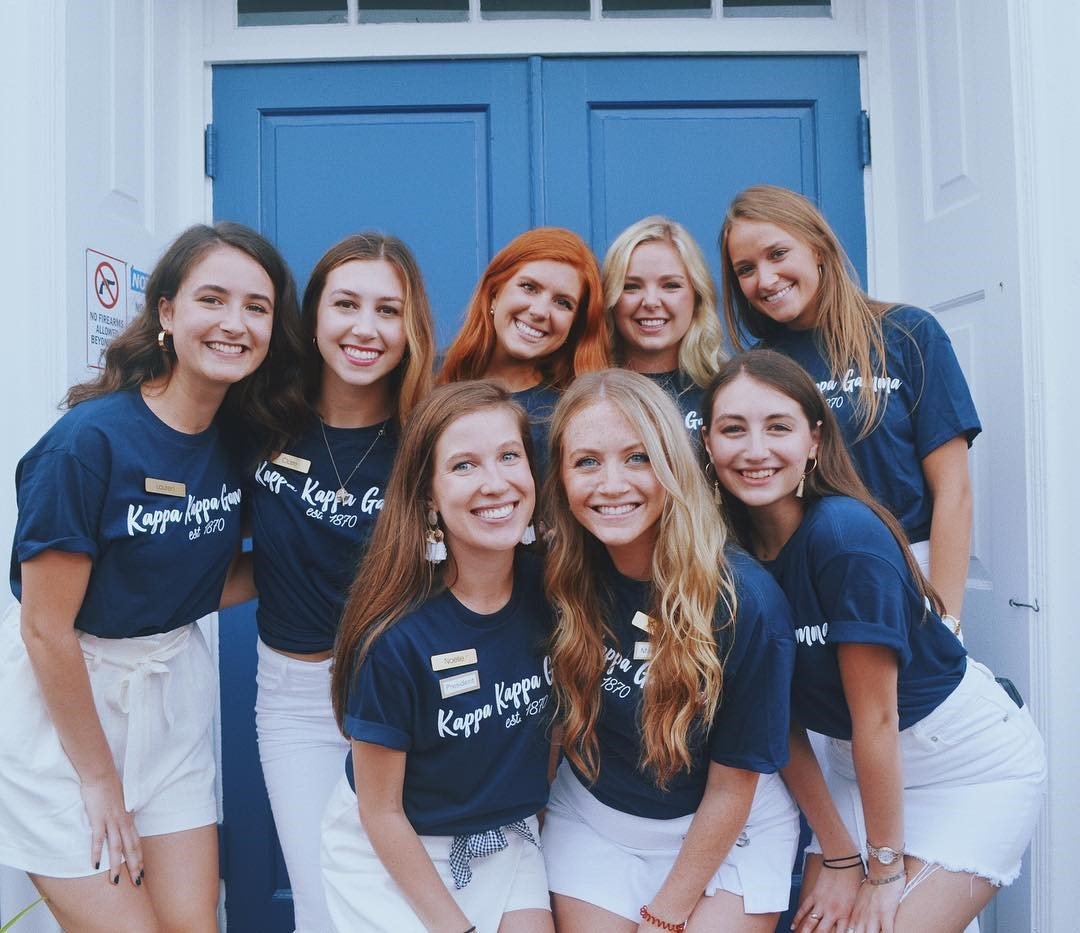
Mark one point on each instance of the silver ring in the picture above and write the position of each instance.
(850, 930)
(815, 916)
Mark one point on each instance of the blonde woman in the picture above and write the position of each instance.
(672, 659)
(888, 371)
(660, 304)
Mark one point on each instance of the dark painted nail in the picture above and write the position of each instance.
(97, 865)
(138, 880)
(116, 879)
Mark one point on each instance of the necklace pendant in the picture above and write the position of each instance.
(340, 495)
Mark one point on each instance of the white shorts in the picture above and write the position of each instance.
(154, 696)
(618, 861)
(974, 782)
(361, 895)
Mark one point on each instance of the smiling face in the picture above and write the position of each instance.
(360, 329)
(534, 311)
(220, 320)
(610, 486)
(481, 485)
(656, 307)
(760, 441)
(777, 272)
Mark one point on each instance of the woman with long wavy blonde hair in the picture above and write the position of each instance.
(660, 308)
(534, 323)
(672, 657)
(888, 370)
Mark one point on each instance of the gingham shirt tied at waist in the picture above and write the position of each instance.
(476, 845)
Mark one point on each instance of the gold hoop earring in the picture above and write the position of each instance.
(162, 334)
(801, 488)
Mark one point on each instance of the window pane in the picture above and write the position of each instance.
(657, 7)
(776, 7)
(290, 12)
(534, 9)
(413, 11)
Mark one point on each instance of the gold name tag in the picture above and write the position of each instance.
(642, 622)
(163, 487)
(642, 651)
(459, 683)
(292, 463)
(443, 662)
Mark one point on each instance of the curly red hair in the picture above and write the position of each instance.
(585, 350)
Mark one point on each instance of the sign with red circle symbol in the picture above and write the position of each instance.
(106, 285)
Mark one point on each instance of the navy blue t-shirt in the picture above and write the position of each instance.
(846, 579)
(750, 728)
(687, 395)
(306, 546)
(475, 759)
(158, 511)
(926, 403)
(539, 403)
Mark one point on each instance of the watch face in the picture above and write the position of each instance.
(883, 855)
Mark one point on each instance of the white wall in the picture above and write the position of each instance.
(104, 120)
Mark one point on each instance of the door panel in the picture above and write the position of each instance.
(457, 158)
(626, 138)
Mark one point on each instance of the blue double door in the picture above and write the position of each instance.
(457, 158)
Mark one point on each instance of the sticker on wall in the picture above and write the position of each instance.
(106, 303)
(136, 292)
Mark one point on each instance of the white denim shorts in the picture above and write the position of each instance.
(974, 782)
(361, 895)
(618, 861)
(154, 696)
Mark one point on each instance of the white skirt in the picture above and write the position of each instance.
(974, 781)
(361, 895)
(618, 861)
(154, 696)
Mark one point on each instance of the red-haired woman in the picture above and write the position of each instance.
(535, 321)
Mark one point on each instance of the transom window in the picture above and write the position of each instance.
(348, 12)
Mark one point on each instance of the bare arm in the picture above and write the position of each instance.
(832, 896)
(239, 582)
(868, 673)
(946, 472)
(719, 819)
(380, 779)
(54, 585)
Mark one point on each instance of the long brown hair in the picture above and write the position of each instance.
(691, 585)
(834, 475)
(411, 380)
(585, 350)
(394, 576)
(269, 402)
(849, 322)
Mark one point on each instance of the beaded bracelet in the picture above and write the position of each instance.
(648, 917)
(880, 881)
(847, 861)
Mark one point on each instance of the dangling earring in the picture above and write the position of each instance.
(529, 535)
(162, 334)
(717, 498)
(435, 546)
(801, 488)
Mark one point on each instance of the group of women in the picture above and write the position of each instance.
(519, 668)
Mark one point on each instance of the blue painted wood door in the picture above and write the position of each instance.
(457, 158)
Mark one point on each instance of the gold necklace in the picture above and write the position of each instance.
(339, 496)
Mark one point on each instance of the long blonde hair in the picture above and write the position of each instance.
(689, 579)
(849, 322)
(702, 348)
(394, 577)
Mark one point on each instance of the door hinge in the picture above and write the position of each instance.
(209, 150)
(864, 138)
